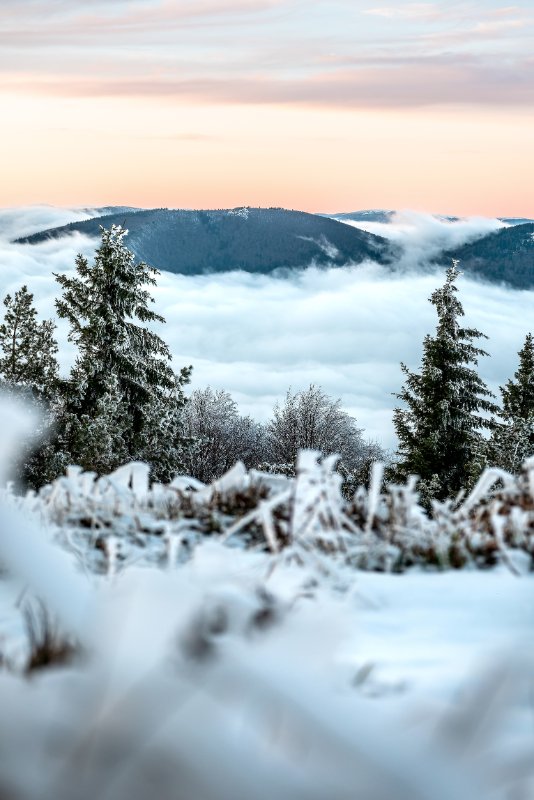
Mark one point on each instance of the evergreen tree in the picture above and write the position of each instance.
(512, 440)
(29, 369)
(123, 400)
(518, 395)
(440, 426)
(28, 348)
(166, 442)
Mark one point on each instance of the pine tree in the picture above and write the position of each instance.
(513, 438)
(441, 426)
(28, 349)
(123, 399)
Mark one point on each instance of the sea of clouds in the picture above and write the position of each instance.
(344, 329)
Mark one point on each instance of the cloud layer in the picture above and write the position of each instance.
(344, 54)
(424, 236)
(345, 329)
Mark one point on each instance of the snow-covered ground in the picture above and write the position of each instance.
(421, 633)
(155, 643)
(422, 680)
(429, 632)
(206, 667)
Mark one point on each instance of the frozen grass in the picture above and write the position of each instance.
(120, 519)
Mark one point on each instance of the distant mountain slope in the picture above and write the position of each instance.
(251, 239)
(505, 256)
(372, 215)
(386, 217)
(105, 210)
(515, 220)
(382, 216)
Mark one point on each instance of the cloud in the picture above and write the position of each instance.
(446, 12)
(345, 329)
(411, 83)
(499, 25)
(17, 222)
(423, 11)
(506, 11)
(424, 236)
(268, 52)
(61, 22)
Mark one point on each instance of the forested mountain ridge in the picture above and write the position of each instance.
(379, 215)
(387, 216)
(262, 240)
(250, 239)
(502, 256)
(506, 256)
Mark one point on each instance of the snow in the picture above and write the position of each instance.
(326, 246)
(429, 633)
(217, 660)
(343, 689)
(244, 212)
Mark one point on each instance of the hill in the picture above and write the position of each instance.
(250, 239)
(506, 256)
(372, 215)
(515, 220)
(106, 210)
(386, 217)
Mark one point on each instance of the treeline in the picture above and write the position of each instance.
(122, 400)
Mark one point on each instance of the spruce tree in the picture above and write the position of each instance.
(440, 427)
(512, 440)
(29, 370)
(123, 399)
(28, 349)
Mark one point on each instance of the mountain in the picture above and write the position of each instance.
(249, 239)
(515, 220)
(386, 217)
(372, 215)
(383, 216)
(506, 256)
(106, 210)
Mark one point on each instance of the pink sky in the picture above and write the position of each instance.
(323, 106)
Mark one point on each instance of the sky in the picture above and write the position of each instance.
(323, 105)
(346, 330)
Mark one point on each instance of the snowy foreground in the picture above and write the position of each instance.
(226, 642)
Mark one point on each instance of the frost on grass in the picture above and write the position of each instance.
(209, 642)
(120, 519)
